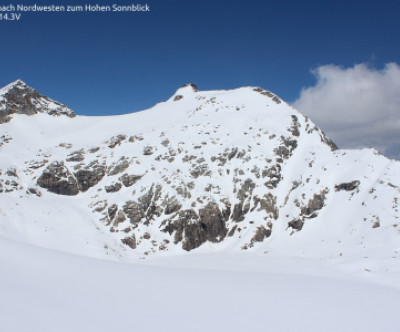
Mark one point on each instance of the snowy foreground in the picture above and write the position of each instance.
(47, 290)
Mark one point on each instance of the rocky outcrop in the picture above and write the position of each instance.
(129, 180)
(347, 186)
(314, 204)
(194, 229)
(118, 167)
(172, 205)
(268, 204)
(76, 156)
(325, 139)
(130, 241)
(116, 140)
(22, 99)
(260, 235)
(268, 94)
(296, 223)
(112, 188)
(57, 179)
(145, 208)
(90, 175)
(199, 180)
(286, 149)
(273, 174)
(310, 210)
(243, 194)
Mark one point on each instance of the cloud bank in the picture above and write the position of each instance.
(357, 106)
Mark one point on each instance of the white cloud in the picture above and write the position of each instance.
(357, 106)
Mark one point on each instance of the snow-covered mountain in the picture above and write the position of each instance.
(207, 171)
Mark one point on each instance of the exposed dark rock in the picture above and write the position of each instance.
(130, 241)
(112, 188)
(376, 224)
(276, 100)
(325, 139)
(129, 180)
(99, 205)
(232, 153)
(94, 149)
(261, 234)
(178, 222)
(347, 186)
(237, 213)
(172, 205)
(112, 211)
(294, 128)
(133, 139)
(65, 145)
(195, 229)
(199, 170)
(91, 175)
(243, 194)
(227, 211)
(76, 156)
(232, 231)
(34, 191)
(314, 204)
(57, 179)
(211, 227)
(22, 99)
(274, 175)
(116, 140)
(228, 154)
(134, 211)
(256, 171)
(187, 158)
(4, 139)
(192, 86)
(165, 142)
(296, 224)
(12, 172)
(282, 152)
(269, 94)
(148, 150)
(268, 204)
(246, 189)
(286, 149)
(121, 217)
(145, 208)
(118, 167)
(184, 189)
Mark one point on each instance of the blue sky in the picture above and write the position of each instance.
(113, 63)
(116, 63)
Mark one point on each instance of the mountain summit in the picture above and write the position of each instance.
(205, 170)
(18, 98)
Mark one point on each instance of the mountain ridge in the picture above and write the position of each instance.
(19, 98)
(205, 170)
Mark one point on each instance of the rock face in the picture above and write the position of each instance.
(57, 179)
(195, 229)
(348, 186)
(90, 175)
(18, 98)
(215, 169)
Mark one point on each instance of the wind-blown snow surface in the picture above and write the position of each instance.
(285, 232)
(45, 290)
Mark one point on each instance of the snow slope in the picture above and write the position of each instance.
(211, 211)
(46, 290)
(236, 171)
